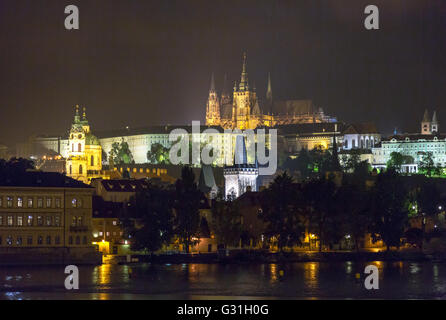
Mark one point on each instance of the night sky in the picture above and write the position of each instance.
(139, 62)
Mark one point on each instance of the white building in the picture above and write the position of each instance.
(414, 146)
(241, 176)
(361, 136)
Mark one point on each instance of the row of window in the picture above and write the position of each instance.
(30, 220)
(40, 202)
(41, 240)
(30, 202)
(141, 170)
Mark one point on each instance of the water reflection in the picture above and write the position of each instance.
(398, 280)
(311, 273)
(102, 274)
(273, 272)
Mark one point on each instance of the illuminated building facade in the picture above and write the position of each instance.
(415, 146)
(246, 111)
(45, 214)
(84, 152)
(242, 175)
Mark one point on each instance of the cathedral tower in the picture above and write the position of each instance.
(244, 103)
(213, 106)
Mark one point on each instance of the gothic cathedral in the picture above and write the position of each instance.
(246, 111)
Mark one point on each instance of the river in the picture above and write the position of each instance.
(308, 280)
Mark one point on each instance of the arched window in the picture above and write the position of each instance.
(79, 147)
(92, 160)
(72, 147)
(80, 169)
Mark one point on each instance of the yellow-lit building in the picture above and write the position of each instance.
(246, 111)
(45, 216)
(84, 158)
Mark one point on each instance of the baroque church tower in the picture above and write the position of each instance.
(84, 160)
(213, 106)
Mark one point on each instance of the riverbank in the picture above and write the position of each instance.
(254, 256)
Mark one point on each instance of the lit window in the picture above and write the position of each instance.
(48, 220)
(30, 202)
(30, 220)
(73, 221)
(115, 222)
(57, 221)
(9, 202)
(20, 221)
(57, 202)
(20, 202)
(48, 202)
(9, 240)
(74, 203)
(10, 220)
(39, 220)
(19, 241)
(79, 221)
(39, 203)
(101, 233)
(108, 234)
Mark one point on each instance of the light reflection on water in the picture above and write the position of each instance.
(398, 280)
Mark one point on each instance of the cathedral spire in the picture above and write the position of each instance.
(84, 115)
(269, 91)
(244, 77)
(212, 87)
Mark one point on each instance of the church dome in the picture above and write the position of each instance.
(91, 139)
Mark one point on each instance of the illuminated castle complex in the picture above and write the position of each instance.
(246, 111)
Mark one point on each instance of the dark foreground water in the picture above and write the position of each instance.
(309, 280)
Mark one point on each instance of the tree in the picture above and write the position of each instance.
(352, 201)
(149, 219)
(281, 211)
(187, 204)
(350, 161)
(427, 164)
(428, 199)
(395, 162)
(158, 154)
(389, 208)
(120, 153)
(322, 214)
(226, 222)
